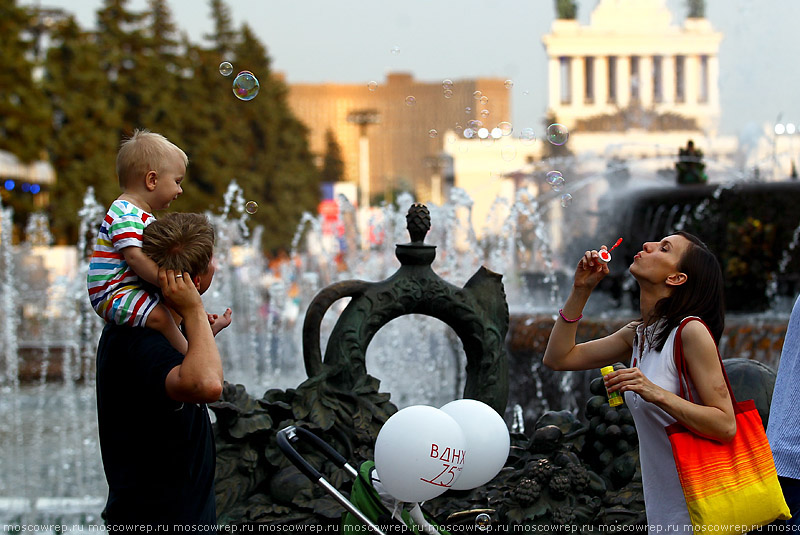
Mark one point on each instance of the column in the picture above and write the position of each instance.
(646, 81)
(600, 81)
(668, 79)
(713, 82)
(623, 81)
(692, 79)
(554, 72)
(576, 80)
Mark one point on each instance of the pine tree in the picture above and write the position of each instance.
(332, 165)
(85, 135)
(24, 110)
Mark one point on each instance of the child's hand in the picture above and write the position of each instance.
(218, 323)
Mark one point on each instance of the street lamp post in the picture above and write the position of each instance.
(363, 118)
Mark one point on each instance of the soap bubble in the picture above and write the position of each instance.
(483, 133)
(566, 200)
(483, 521)
(468, 110)
(505, 127)
(496, 133)
(245, 86)
(484, 100)
(251, 207)
(410, 100)
(508, 153)
(474, 124)
(551, 177)
(448, 93)
(468, 133)
(484, 113)
(477, 95)
(558, 183)
(372, 86)
(527, 136)
(508, 84)
(433, 133)
(557, 134)
(225, 68)
(395, 50)
(447, 84)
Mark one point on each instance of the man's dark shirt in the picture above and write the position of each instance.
(158, 454)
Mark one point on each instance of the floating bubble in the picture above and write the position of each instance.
(483, 133)
(410, 100)
(474, 124)
(225, 68)
(468, 133)
(558, 183)
(528, 136)
(477, 95)
(484, 113)
(483, 521)
(432, 133)
(251, 207)
(447, 84)
(557, 134)
(496, 133)
(566, 200)
(508, 84)
(395, 50)
(468, 110)
(372, 86)
(245, 86)
(484, 100)
(448, 93)
(551, 177)
(505, 127)
(508, 153)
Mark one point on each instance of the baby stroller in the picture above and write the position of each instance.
(368, 501)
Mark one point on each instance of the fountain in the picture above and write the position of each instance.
(51, 469)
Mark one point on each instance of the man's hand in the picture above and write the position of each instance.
(179, 292)
(217, 323)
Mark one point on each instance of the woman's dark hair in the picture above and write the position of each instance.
(701, 295)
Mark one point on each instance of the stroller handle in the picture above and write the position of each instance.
(290, 434)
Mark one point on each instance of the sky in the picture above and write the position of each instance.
(352, 41)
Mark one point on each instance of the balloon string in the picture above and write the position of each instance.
(615, 245)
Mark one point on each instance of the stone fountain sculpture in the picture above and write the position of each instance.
(340, 401)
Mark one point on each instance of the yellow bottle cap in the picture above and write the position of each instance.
(607, 370)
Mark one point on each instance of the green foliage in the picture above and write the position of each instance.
(566, 9)
(136, 71)
(696, 9)
(332, 164)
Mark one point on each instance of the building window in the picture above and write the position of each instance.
(680, 78)
(612, 79)
(634, 78)
(565, 75)
(658, 81)
(703, 79)
(588, 79)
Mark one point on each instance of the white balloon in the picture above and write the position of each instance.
(488, 441)
(419, 453)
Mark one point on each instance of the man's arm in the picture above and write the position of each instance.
(199, 378)
(141, 264)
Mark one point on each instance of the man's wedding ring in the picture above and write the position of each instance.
(179, 276)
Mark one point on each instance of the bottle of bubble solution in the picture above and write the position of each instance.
(614, 398)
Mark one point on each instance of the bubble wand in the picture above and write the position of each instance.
(605, 255)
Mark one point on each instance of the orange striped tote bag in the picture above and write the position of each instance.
(729, 488)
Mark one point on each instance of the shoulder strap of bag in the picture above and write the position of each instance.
(683, 369)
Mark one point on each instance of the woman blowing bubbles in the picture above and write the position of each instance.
(678, 277)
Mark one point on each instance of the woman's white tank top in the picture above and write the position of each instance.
(663, 496)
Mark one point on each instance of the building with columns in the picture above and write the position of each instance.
(631, 69)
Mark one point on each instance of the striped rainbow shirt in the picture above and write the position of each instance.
(116, 292)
